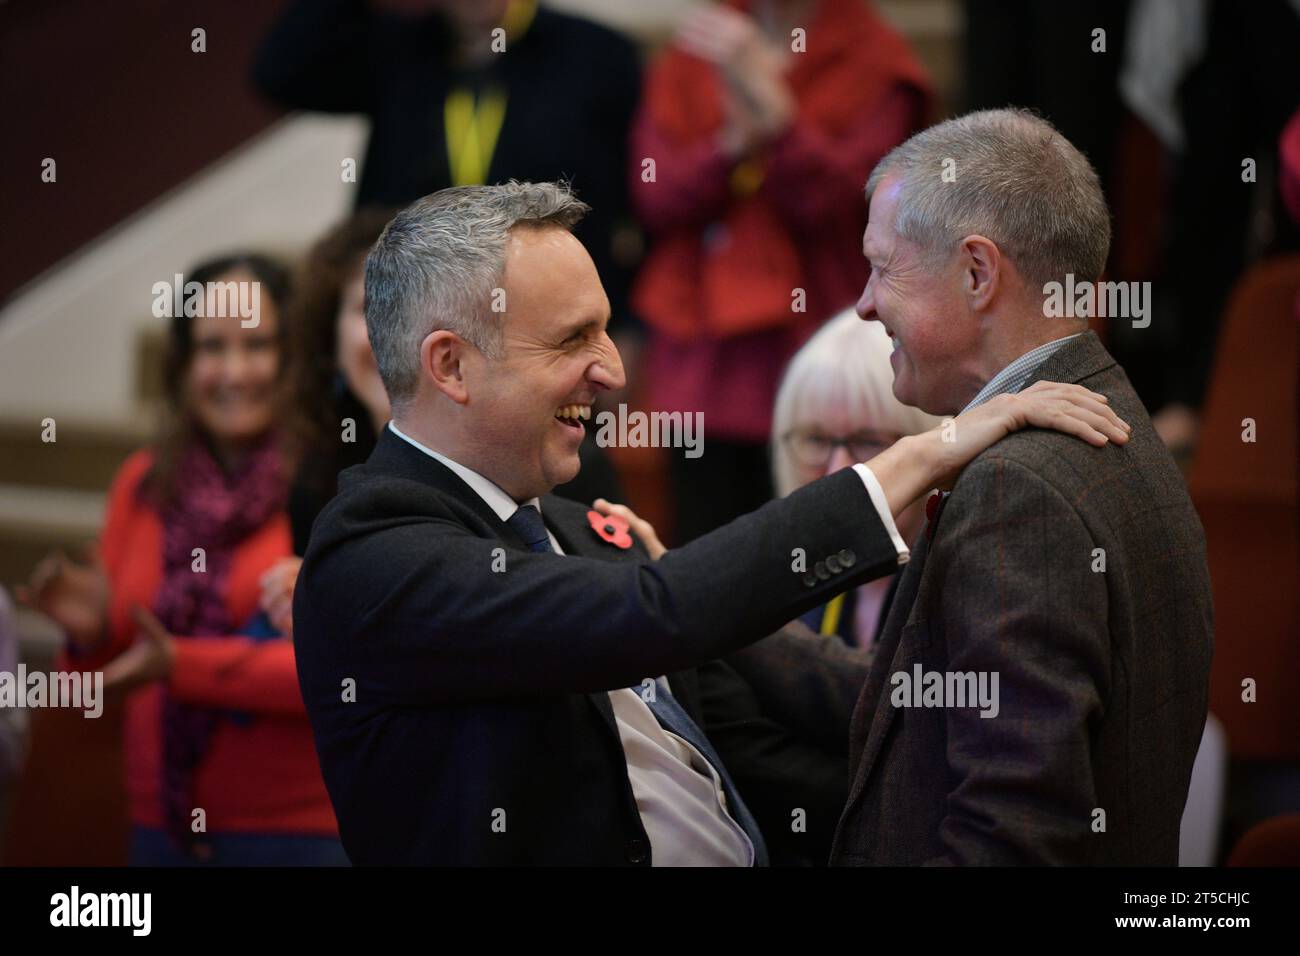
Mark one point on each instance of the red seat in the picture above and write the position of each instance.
(1246, 496)
(70, 806)
(1275, 842)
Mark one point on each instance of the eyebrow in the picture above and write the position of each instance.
(873, 250)
(571, 330)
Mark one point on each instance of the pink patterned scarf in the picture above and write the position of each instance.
(214, 511)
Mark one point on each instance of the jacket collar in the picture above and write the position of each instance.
(566, 519)
(400, 459)
(1074, 361)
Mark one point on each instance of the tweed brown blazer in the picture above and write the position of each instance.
(1076, 575)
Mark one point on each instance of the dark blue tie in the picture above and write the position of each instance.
(527, 523)
(673, 718)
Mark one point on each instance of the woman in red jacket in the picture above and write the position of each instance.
(759, 126)
(220, 763)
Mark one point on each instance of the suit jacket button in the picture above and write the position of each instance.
(636, 851)
(833, 564)
(809, 579)
(848, 558)
(820, 570)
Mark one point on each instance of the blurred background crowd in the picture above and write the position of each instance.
(723, 148)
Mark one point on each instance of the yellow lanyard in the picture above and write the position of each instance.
(831, 619)
(472, 130)
(747, 177)
(473, 124)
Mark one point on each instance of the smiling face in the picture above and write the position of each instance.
(526, 408)
(922, 305)
(230, 382)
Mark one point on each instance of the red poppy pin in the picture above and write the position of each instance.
(610, 527)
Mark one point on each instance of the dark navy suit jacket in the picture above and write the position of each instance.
(456, 682)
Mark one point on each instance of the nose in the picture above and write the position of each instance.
(866, 306)
(840, 458)
(607, 370)
(234, 367)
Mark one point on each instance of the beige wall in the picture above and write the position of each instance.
(68, 342)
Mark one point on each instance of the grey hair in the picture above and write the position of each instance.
(435, 267)
(1016, 180)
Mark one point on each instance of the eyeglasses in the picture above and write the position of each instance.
(813, 449)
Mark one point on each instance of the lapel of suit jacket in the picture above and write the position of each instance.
(568, 522)
(394, 456)
(566, 519)
(874, 713)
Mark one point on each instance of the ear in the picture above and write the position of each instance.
(442, 358)
(982, 265)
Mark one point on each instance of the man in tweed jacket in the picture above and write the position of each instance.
(1039, 689)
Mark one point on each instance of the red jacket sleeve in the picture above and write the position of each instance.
(811, 176)
(237, 673)
(692, 181)
(121, 511)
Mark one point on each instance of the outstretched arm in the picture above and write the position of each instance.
(425, 620)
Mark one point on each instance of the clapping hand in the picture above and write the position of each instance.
(73, 593)
(277, 594)
(148, 659)
(760, 104)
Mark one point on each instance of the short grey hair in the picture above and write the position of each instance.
(435, 266)
(1016, 180)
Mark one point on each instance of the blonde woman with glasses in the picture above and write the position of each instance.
(836, 406)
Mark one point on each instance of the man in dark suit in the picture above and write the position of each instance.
(1040, 686)
(475, 696)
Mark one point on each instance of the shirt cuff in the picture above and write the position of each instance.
(882, 508)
